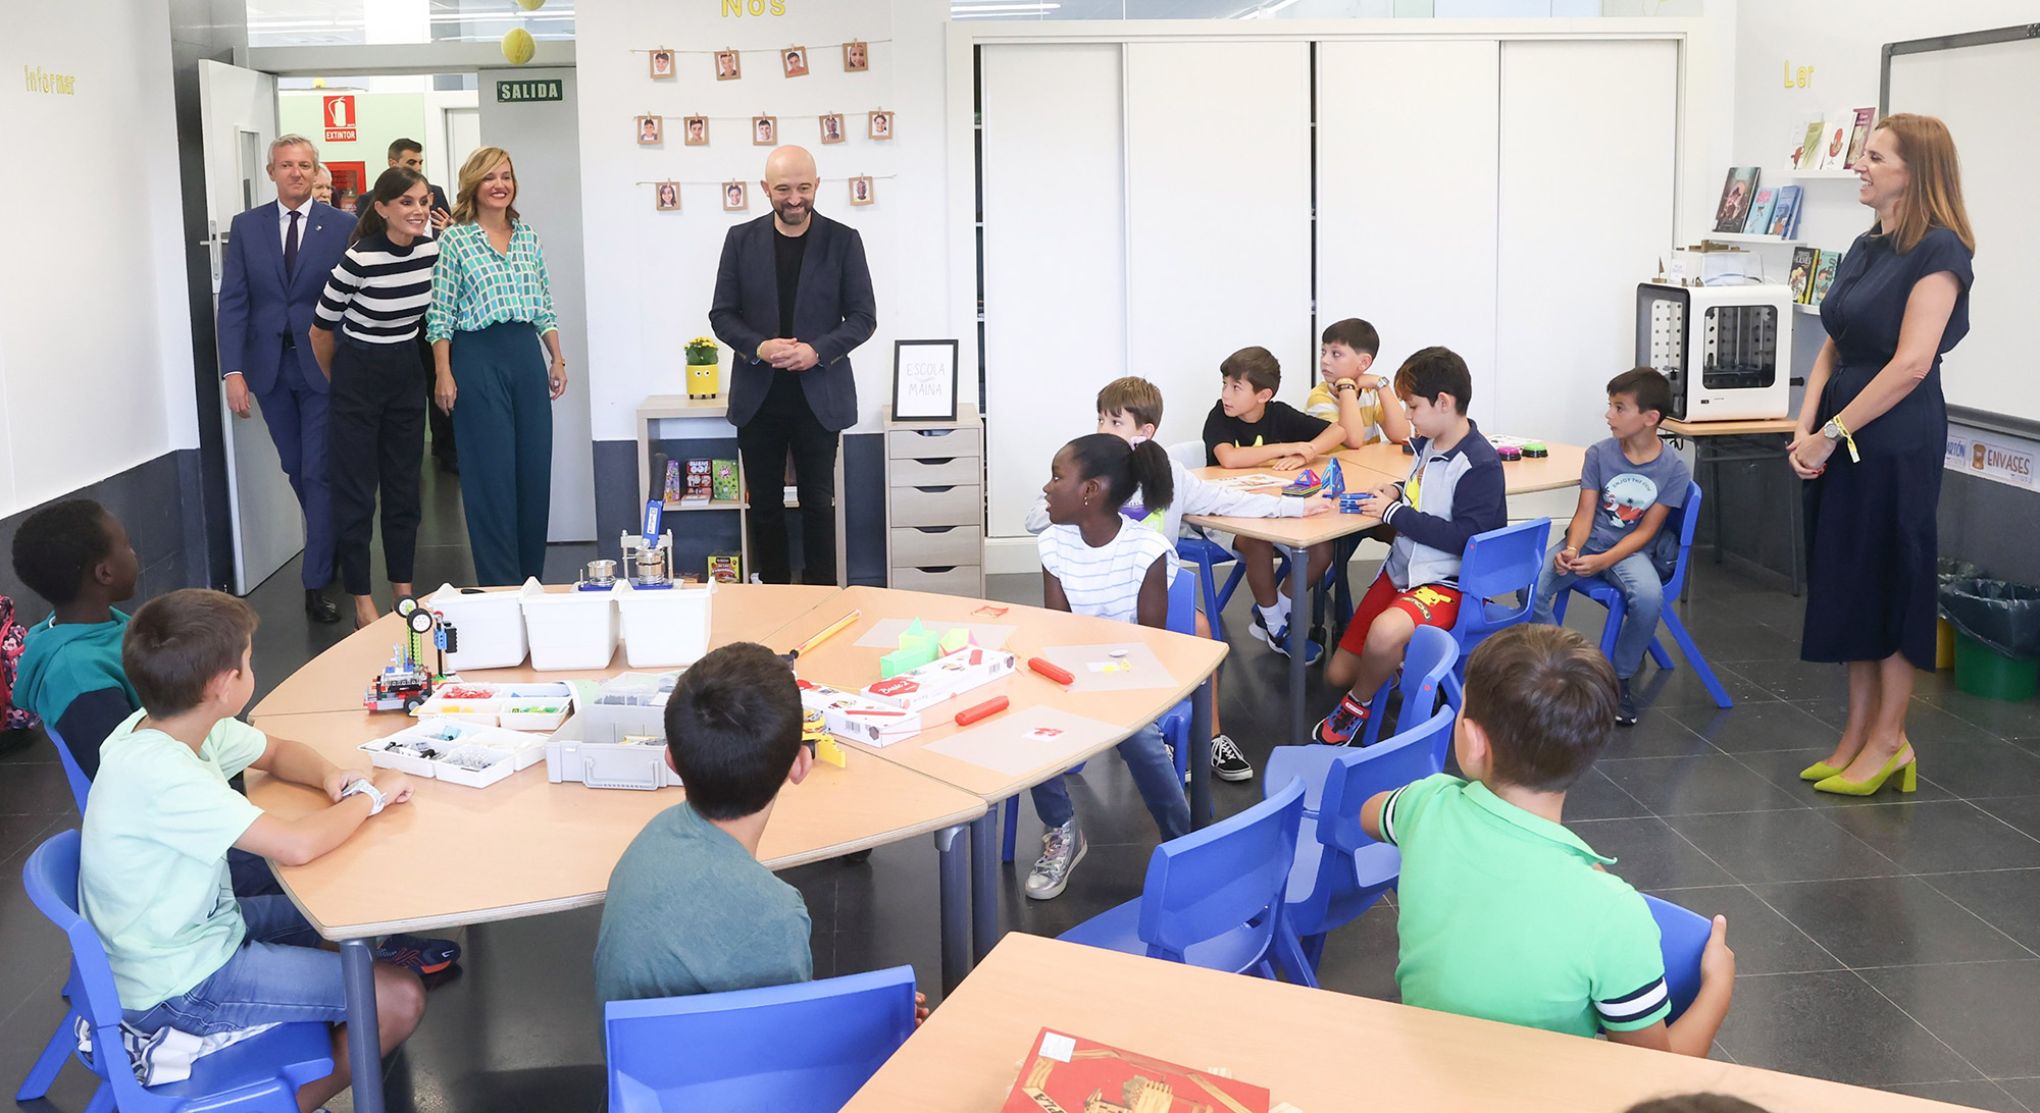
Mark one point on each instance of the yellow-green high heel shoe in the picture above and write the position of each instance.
(1908, 781)
(1820, 771)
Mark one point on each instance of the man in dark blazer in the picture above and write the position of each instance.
(410, 154)
(279, 256)
(792, 299)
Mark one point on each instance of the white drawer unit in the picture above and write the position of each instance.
(935, 504)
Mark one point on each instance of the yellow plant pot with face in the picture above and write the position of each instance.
(704, 380)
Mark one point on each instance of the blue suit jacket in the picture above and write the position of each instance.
(833, 312)
(258, 307)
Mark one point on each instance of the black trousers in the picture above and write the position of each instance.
(785, 421)
(440, 422)
(377, 431)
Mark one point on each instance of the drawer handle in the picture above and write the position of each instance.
(934, 461)
(935, 432)
(936, 529)
(937, 490)
(938, 570)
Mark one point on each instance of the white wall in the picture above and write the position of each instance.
(95, 341)
(651, 275)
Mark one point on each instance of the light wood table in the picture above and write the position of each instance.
(1555, 472)
(842, 663)
(1756, 440)
(1297, 1042)
(336, 679)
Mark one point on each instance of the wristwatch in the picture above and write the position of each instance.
(366, 788)
(1832, 430)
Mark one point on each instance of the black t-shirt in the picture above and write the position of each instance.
(787, 252)
(1280, 423)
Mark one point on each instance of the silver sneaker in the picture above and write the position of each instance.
(1061, 849)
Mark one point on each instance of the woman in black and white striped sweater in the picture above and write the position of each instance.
(364, 335)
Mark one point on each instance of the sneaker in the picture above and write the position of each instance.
(1625, 706)
(1227, 762)
(1061, 849)
(1341, 726)
(1278, 640)
(420, 956)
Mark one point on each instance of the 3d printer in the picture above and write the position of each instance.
(1726, 349)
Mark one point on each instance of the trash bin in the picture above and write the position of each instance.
(1948, 569)
(1997, 644)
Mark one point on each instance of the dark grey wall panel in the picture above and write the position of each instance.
(1991, 525)
(157, 504)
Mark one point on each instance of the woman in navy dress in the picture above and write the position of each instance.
(1872, 433)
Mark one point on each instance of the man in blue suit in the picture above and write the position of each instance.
(279, 256)
(792, 298)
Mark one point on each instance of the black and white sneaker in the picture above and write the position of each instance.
(1227, 762)
(1625, 706)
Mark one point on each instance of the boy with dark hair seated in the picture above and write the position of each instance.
(152, 863)
(690, 909)
(78, 558)
(1504, 914)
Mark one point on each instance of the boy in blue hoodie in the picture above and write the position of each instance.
(78, 558)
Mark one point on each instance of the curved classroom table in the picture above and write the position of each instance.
(524, 847)
(1365, 467)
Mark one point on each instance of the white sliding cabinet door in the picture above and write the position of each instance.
(1054, 257)
(1587, 171)
(1406, 156)
(1218, 218)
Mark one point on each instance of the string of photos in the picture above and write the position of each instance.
(764, 129)
(663, 62)
(735, 195)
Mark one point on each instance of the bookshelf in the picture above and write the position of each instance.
(1746, 237)
(1822, 175)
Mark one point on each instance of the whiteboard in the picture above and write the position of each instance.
(1985, 94)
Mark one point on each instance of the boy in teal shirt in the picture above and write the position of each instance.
(1504, 914)
(78, 558)
(152, 864)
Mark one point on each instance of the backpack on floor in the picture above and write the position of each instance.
(13, 637)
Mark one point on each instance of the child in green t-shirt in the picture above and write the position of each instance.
(1502, 912)
(77, 557)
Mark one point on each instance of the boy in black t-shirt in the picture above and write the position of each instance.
(1249, 429)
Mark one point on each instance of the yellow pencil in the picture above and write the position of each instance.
(834, 628)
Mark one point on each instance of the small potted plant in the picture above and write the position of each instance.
(704, 375)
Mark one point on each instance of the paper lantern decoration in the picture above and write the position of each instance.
(518, 46)
(531, 5)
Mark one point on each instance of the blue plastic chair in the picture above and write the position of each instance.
(1339, 872)
(1431, 656)
(81, 786)
(1501, 563)
(1685, 519)
(262, 1073)
(1213, 898)
(1683, 935)
(1175, 725)
(801, 1048)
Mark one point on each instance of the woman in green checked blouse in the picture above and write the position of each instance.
(492, 330)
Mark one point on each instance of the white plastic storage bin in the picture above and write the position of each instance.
(664, 627)
(489, 627)
(569, 629)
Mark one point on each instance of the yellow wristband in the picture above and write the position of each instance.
(1848, 439)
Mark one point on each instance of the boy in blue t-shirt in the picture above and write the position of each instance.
(1629, 485)
(78, 558)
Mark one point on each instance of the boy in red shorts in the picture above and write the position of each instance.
(1454, 491)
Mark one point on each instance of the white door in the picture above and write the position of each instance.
(238, 108)
(463, 135)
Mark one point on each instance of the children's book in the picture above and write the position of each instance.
(1737, 191)
(1759, 221)
(1804, 259)
(1808, 155)
(1824, 276)
(1834, 140)
(725, 477)
(1859, 136)
(1069, 1074)
(1785, 213)
(699, 485)
(673, 489)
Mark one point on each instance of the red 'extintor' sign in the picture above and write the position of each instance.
(340, 119)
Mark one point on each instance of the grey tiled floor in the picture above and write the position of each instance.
(1891, 942)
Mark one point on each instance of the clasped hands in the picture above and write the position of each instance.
(1809, 454)
(1569, 562)
(788, 355)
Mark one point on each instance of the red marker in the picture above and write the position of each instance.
(985, 710)
(1051, 670)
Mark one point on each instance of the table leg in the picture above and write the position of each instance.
(364, 1044)
(1200, 753)
(1795, 520)
(1299, 601)
(951, 844)
(984, 883)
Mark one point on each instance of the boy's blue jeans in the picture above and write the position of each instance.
(1637, 579)
(1154, 774)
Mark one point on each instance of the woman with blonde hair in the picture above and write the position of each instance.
(1872, 433)
(492, 309)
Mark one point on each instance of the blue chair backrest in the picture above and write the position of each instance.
(1427, 662)
(1356, 775)
(1183, 603)
(81, 788)
(51, 880)
(1683, 935)
(807, 1046)
(1213, 881)
(1685, 520)
(1500, 562)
